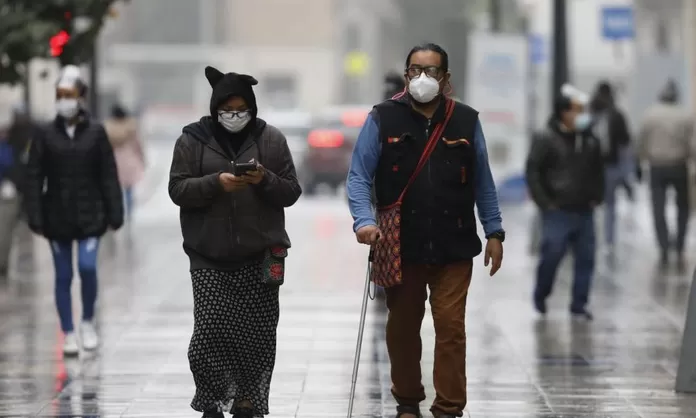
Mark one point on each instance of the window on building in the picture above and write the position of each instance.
(662, 36)
(178, 21)
(279, 91)
(352, 37)
(222, 30)
(164, 84)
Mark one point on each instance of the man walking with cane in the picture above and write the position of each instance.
(426, 157)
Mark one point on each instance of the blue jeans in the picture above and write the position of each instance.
(614, 176)
(87, 251)
(128, 201)
(560, 230)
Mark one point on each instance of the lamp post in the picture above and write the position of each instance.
(560, 48)
(81, 25)
(94, 81)
(496, 11)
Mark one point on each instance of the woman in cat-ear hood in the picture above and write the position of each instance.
(228, 85)
(233, 224)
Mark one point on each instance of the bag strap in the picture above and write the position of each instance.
(429, 148)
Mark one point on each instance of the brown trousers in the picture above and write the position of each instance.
(449, 286)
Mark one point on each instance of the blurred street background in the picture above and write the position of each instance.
(321, 65)
(310, 55)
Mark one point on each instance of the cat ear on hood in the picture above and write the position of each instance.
(213, 75)
(248, 79)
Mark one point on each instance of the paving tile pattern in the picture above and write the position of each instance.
(622, 365)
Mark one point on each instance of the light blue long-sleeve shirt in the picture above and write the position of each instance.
(366, 154)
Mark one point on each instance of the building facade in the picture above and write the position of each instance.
(297, 49)
(664, 50)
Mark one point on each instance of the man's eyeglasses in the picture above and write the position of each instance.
(416, 70)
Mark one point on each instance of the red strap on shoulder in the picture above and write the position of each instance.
(435, 136)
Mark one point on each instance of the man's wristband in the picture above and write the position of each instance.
(499, 235)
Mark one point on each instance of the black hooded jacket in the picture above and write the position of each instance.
(20, 138)
(72, 190)
(393, 85)
(610, 127)
(221, 230)
(565, 170)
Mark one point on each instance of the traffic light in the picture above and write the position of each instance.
(58, 42)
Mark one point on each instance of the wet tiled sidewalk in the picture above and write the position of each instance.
(621, 365)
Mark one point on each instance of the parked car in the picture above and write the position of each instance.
(330, 146)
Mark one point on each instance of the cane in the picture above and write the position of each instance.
(361, 330)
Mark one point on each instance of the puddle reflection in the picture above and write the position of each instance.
(78, 383)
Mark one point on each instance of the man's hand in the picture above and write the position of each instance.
(494, 251)
(256, 176)
(231, 183)
(36, 228)
(639, 172)
(369, 234)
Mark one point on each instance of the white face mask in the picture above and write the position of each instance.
(423, 88)
(234, 121)
(67, 108)
(582, 121)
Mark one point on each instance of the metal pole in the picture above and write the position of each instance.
(690, 40)
(496, 11)
(27, 93)
(560, 48)
(686, 372)
(94, 82)
(358, 347)
(206, 22)
(531, 79)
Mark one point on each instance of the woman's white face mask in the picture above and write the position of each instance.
(67, 108)
(234, 121)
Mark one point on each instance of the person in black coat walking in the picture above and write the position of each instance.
(393, 84)
(610, 127)
(73, 195)
(233, 226)
(565, 178)
(12, 180)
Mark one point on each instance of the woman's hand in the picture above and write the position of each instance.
(231, 183)
(256, 176)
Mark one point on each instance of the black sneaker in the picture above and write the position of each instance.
(664, 259)
(540, 305)
(243, 413)
(213, 414)
(402, 410)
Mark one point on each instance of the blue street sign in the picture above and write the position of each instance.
(537, 48)
(618, 23)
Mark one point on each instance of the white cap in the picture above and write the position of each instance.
(573, 93)
(69, 77)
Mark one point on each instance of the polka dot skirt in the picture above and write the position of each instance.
(233, 347)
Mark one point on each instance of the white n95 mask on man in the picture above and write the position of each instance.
(423, 89)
